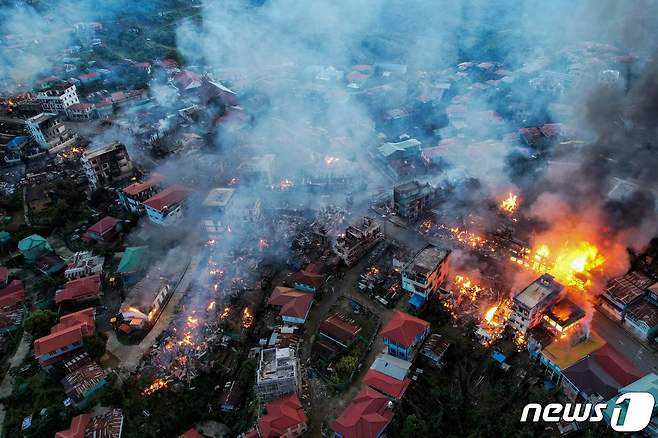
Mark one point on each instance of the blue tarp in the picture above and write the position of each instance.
(417, 301)
(498, 357)
(549, 385)
(16, 142)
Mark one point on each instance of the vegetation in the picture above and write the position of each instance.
(96, 344)
(39, 322)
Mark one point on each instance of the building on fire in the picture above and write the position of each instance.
(357, 239)
(425, 273)
(529, 304)
(50, 133)
(133, 196)
(106, 164)
(278, 374)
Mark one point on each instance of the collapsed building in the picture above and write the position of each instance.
(50, 133)
(358, 238)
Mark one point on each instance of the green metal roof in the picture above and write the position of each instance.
(33, 241)
(132, 260)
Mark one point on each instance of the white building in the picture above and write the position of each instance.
(50, 133)
(215, 207)
(58, 97)
(529, 304)
(168, 206)
(82, 264)
(425, 274)
(278, 374)
(106, 164)
(357, 240)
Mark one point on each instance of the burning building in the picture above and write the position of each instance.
(412, 199)
(358, 238)
(106, 164)
(215, 207)
(50, 133)
(425, 273)
(278, 374)
(148, 298)
(133, 196)
(529, 304)
(562, 316)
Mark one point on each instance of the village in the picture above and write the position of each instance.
(192, 251)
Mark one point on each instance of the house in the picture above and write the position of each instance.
(641, 319)
(402, 150)
(133, 264)
(340, 329)
(648, 383)
(81, 111)
(168, 206)
(136, 193)
(79, 290)
(403, 333)
(12, 306)
(412, 199)
(367, 416)
(84, 378)
(65, 337)
(285, 418)
(562, 317)
(278, 374)
(107, 425)
(103, 231)
(294, 305)
(623, 291)
(434, 349)
(357, 240)
(386, 384)
(33, 247)
(563, 353)
(215, 207)
(58, 97)
(84, 263)
(425, 273)
(529, 304)
(309, 279)
(232, 397)
(50, 133)
(106, 165)
(598, 376)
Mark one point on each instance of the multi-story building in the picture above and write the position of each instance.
(425, 273)
(50, 133)
(133, 196)
(412, 199)
(58, 97)
(82, 264)
(65, 337)
(80, 111)
(403, 333)
(278, 374)
(215, 207)
(529, 304)
(106, 164)
(357, 240)
(622, 292)
(168, 206)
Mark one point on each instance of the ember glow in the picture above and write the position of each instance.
(211, 306)
(247, 318)
(225, 313)
(262, 244)
(329, 160)
(510, 204)
(157, 385)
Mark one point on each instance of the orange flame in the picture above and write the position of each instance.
(510, 204)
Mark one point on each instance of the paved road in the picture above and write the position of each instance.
(645, 359)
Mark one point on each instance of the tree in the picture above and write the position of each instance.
(413, 427)
(347, 364)
(39, 322)
(96, 344)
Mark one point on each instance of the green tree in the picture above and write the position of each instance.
(96, 344)
(413, 427)
(347, 364)
(39, 322)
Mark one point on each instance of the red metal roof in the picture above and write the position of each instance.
(403, 328)
(386, 384)
(80, 106)
(70, 329)
(170, 196)
(82, 288)
(4, 273)
(104, 225)
(282, 415)
(340, 328)
(192, 433)
(366, 417)
(13, 294)
(294, 303)
(77, 428)
(139, 187)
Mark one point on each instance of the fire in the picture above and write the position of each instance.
(157, 385)
(494, 320)
(192, 322)
(510, 204)
(489, 314)
(262, 244)
(225, 313)
(233, 181)
(467, 238)
(329, 160)
(247, 318)
(285, 184)
(467, 287)
(211, 306)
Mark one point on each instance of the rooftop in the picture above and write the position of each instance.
(643, 311)
(386, 384)
(104, 225)
(538, 291)
(627, 288)
(70, 329)
(340, 328)
(365, 417)
(293, 302)
(403, 328)
(89, 154)
(564, 312)
(218, 197)
(138, 187)
(564, 353)
(132, 260)
(391, 366)
(169, 197)
(81, 288)
(427, 259)
(282, 414)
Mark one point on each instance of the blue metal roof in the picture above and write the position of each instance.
(498, 356)
(416, 300)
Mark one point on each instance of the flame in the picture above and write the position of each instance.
(247, 318)
(571, 263)
(157, 385)
(211, 306)
(262, 244)
(329, 160)
(225, 313)
(489, 314)
(510, 204)
(285, 184)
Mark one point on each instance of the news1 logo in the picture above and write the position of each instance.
(638, 407)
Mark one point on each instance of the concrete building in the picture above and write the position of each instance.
(412, 199)
(82, 264)
(358, 238)
(642, 319)
(80, 111)
(425, 273)
(58, 97)
(106, 164)
(133, 196)
(278, 374)
(622, 292)
(403, 333)
(50, 133)
(168, 206)
(215, 207)
(529, 304)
